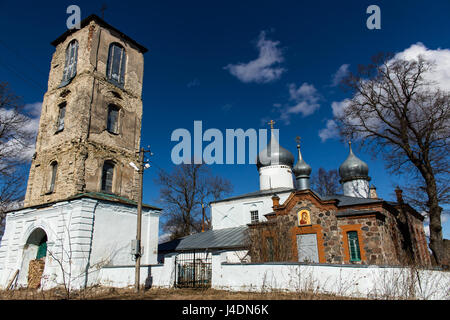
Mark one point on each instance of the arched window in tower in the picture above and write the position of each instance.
(107, 176)
(61, 116)
(112, 124)
(53, 171)
(70, 66)
(115, 69)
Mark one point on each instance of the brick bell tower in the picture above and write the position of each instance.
(90, 123)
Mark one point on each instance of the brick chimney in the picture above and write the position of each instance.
(373, 192)
(275, 200)
(399, 192)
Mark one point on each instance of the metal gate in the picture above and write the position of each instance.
(193, 269)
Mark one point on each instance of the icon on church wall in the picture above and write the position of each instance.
(304, 217)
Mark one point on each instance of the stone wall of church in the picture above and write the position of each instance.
(371, 236)
(380, 236)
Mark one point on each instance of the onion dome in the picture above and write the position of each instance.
(353, 168)
(301, 169)
(274, 154)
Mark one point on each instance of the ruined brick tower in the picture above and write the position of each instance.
(91, 116)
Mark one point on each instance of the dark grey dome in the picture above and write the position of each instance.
(274, 154)
(301, 169)
(353, 168)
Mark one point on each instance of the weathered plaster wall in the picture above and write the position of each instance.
(92, 233)
(84, 144)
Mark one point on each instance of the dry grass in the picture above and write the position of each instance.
(103, 293)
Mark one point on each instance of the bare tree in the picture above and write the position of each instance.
(270, 241)
(182, 193)
(397, 112)
(15, 138)
(326, 183)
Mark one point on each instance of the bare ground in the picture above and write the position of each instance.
(103, 293)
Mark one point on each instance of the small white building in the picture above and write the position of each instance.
(75, 239)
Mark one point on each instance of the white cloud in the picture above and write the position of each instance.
(227, 107)
(193, 83)
(440, 76)
(339, 75)
(14, 146)
(264, 68)
(329, 132)
(34, 109)
(441, 58)
(304, 100)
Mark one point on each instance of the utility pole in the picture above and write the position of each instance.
(203, 217)
(137, 250)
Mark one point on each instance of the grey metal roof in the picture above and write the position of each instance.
(349, 213)
(349, 201)
(301, 168)
(258, 193)
(101, 22)
(274, 154)
(211, 239)
(353, 168)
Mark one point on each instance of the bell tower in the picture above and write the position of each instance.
(90, 123)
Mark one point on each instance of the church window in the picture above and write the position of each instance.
(70, 66)
(115, 69)
(61, 116)
(254, 216)
(53, 170)
(113, 119)
(107, 176)
(353, 246)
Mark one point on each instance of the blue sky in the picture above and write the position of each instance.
(191, 44)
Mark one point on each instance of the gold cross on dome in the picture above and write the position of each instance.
(271, 122)
(297, 138)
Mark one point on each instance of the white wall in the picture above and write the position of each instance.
(356, 281)
(89, 232)
(276, 176)
(356, 188)
(235, 213)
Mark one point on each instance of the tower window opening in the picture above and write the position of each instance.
(53, 171)
(107, 176)
(115, 69)
(113, 119)
(61, 116)
(70, 66)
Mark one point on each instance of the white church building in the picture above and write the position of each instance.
(80, 212)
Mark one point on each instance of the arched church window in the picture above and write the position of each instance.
(107, 176)
(61, 116)
(70, 66)
(353, 246)
(115, 68)
(113, 119)
(53, 171)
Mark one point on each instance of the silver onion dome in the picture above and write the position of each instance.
(274, 154)
(353, 168)
(301, 169)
